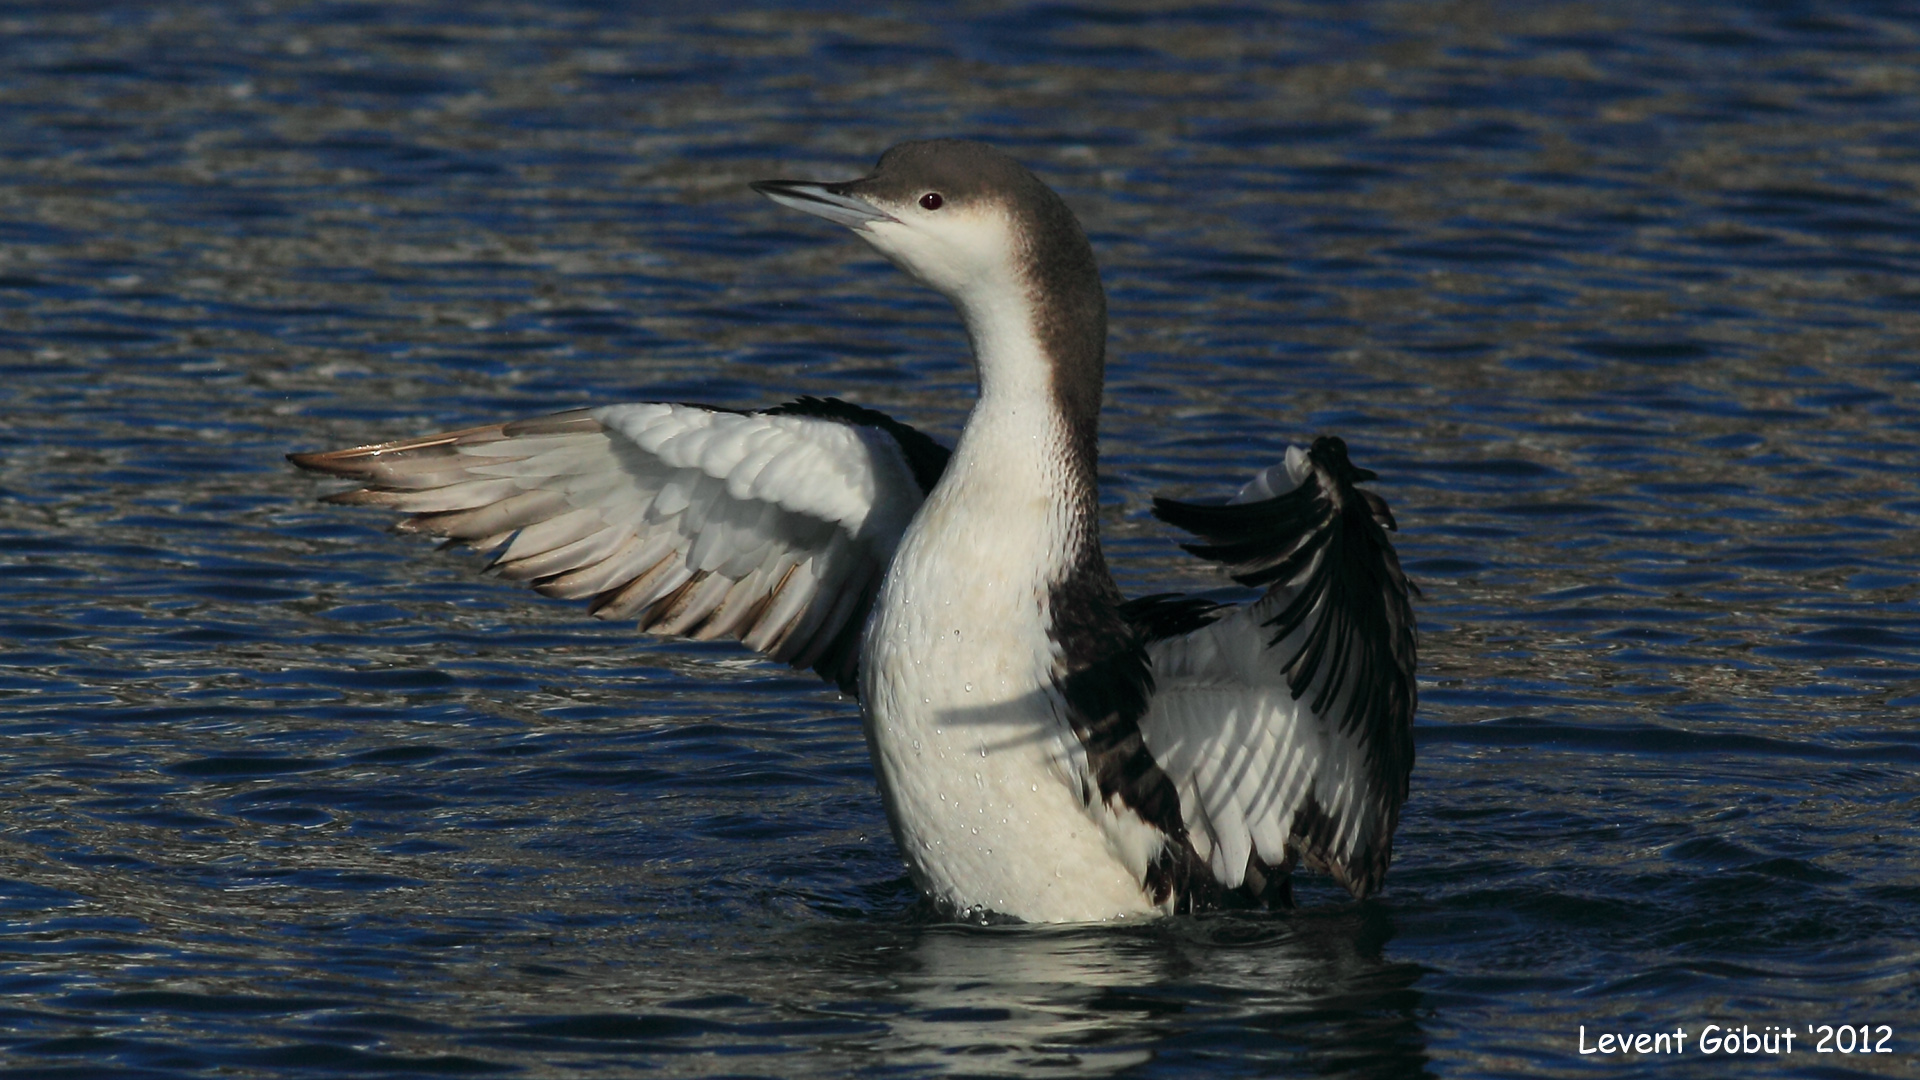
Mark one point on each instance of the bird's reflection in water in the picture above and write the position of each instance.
(1301, 989)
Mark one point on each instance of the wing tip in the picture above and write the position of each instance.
(358, 461)
(1362, 869)
(342, 462)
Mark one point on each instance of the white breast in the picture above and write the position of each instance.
(975, 762)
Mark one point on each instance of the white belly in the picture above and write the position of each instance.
(975, 763)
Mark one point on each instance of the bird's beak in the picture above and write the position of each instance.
(829, 201)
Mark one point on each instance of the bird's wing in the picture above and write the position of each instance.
(771, 527)
(1286, 725)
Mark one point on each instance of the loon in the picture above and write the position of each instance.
(1047, 751)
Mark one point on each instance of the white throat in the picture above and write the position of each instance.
(976, 260)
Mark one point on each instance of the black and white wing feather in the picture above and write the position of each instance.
(771, 527)
(1286, 725)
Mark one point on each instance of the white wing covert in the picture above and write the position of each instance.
(1285, 725)
(771, 527)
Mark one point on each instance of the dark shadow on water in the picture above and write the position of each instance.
(1307, 990)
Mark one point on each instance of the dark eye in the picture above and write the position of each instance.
(931, 201)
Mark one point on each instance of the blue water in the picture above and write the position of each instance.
(1619, 299)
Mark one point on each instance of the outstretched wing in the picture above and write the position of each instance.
(771, 527)
(1286, 725)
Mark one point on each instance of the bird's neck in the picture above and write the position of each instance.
(1018, 500)
(1041, 362)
